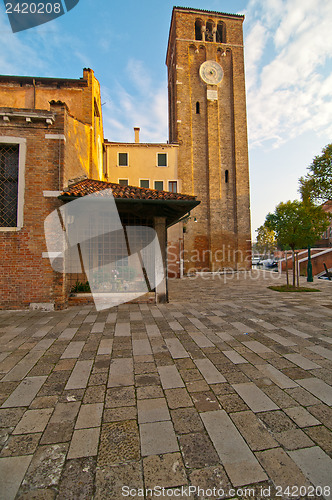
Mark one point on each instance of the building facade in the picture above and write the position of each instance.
(50, 134)
(207, 118)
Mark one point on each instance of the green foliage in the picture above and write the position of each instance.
(316, 186)
(289, 288)
(297, 224)
(266, 240)
(80, 287)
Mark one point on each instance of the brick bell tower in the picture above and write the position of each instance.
(207, 117)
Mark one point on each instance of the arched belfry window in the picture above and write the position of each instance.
(226, 176)
(209, 32)
(197, 108)
(221, 33)
(198, 30)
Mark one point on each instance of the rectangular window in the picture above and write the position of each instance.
(9, 167)
(123, 159)
(173, 186)
(162, 159)
(123, 182)
(144, 183)
(159, 185)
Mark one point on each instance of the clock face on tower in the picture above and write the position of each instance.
(211, 72)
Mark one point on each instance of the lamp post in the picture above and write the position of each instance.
(310, 278)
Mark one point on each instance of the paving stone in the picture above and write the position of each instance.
(186, 420)
(73, 350)
(165, 471)
(253, 431)
(110, 480)
(12, 471)
(232, 403)
(254, 397)
(140, 368)
(157, 438)
(239, 462)
(119, 442)
(293, 439)
(94, 394)
(176, 348)
(322, 436)
(315, 465)
(318, 388)
(205, 401)
(89, 416)
(25, 392)
(65, 364)
(200, 339)
(84, 443)
(323, 413)
(121, 372)
(98, 379)
(280, 339)
(77, 480)
(68, 334)
(242, 327)
(301, 361)
(209, 478)
(80, 375)
(33, 421)
(25, 444)
(120, 396)
(197, 386)
(141, 347)
(152, 410)
(24, 366)
(118, 414)
(296, 332)
(170, 377)
(209, 371)
(44, 402)
(149, 391)
(190, 444)
(257, 347)
(122, 330)
(277, 376)
(322, 351)
(10, 416)
(301, 416)
(65, 412)
(45, 467)
(281, 469)
(235, 357)
(57, 433)
(105, 347)
(302, 396)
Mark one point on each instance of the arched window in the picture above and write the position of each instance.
(226, 176)
(197, 108)
(221, 33)
(198, 30)
(209, 32)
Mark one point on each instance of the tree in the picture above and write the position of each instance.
(317, 184)
(266, 240)
(297, 225)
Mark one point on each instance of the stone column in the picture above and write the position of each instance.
(160, 228)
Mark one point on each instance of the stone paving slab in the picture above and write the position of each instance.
(231, 389)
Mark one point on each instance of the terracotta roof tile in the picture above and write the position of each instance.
(89, 186)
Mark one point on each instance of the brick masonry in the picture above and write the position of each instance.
(212, 141)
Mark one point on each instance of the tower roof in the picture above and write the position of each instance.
(208, 12)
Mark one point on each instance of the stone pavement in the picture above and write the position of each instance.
(226, 389)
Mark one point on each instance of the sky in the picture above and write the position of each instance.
(288, 59)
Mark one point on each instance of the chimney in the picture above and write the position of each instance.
(136, 129)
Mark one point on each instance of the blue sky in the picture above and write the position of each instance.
(288, 54)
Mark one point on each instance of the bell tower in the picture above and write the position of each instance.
(207, 118)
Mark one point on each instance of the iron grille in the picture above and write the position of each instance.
(9, 156)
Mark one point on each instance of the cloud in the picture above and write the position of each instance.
(144, 106)
(288, 62)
